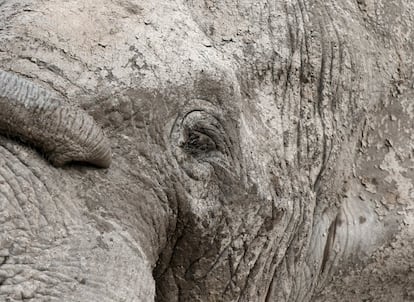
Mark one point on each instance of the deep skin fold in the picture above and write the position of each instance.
(100, 190)
(64, 133)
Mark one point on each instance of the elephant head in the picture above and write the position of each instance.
(254, 149)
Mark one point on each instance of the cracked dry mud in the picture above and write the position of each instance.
(206, 150)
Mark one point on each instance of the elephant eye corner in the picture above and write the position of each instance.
(197, 143)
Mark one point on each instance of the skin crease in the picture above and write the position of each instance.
(251, 220)
(65, 134)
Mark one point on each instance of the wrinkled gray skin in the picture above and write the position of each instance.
(261, 151)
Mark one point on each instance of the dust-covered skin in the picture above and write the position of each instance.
(261, 151)
(65, 134)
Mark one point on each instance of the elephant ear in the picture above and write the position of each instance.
(37, 116)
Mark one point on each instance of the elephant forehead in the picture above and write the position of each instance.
(109, 45)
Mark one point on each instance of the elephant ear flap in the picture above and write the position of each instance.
(64, 133)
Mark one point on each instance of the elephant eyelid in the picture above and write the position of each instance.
(202, 134)
(198, 142)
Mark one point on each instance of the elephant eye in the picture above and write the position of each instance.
(197, 143)
(201, 134)
(201, 142)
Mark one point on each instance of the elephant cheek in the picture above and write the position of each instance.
(51, 247)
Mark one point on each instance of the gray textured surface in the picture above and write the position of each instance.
(261, 151)
(64, 133)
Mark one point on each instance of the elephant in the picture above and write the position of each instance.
(206, 150)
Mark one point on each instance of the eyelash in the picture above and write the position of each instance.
(198, 142)
(203, 134)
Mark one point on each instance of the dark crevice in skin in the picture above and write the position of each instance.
(299, 124)
(5, 258)
(269, 294)
(3, 262)
(326, 143)
(319, 108)
(329, 243)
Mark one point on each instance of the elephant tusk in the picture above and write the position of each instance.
(37, 116)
